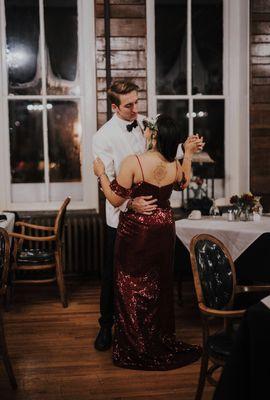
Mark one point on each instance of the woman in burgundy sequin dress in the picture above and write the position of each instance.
(144, 311)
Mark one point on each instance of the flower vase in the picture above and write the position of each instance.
(237, 213)
(258, 208)
(245, 215)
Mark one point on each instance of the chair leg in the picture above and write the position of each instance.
(5, 356)
(202, 378)
(60, 279)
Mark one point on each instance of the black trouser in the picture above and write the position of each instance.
(107, 281)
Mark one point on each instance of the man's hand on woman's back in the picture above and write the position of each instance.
(143, 204)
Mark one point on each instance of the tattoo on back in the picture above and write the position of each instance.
(159, 172)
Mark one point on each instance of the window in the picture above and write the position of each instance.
(46, 92)
(194, 76)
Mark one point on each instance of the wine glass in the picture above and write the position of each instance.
(214, 210)
(258, 208)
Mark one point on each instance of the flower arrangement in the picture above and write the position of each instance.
(198, 187)
(244, 202)
(151, 123)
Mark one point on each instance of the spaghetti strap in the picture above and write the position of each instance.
(176, 172)
(140, 166)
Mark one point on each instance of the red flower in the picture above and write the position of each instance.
(246, 200)
(199, 181)
(234, 199)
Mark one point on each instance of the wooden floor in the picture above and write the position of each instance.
(53, 356)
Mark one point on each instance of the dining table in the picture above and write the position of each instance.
(8, 222)
(246, 373)
(247, 241)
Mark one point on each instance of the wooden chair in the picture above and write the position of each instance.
(215, 284)
(47, 256)
(4, 271)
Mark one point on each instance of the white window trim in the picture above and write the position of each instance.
(86, 33)
(236, 89)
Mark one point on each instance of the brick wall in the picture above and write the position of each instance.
(128, 49)
(260, 99)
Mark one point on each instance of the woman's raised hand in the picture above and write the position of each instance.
(99, 167)
(193, 144)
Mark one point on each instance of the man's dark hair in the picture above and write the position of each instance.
(168, 137)
(118, 87)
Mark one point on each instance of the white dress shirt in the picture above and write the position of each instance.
(112, 143)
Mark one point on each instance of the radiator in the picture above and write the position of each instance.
(83, 239)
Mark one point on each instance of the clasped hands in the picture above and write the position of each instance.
(194, 143)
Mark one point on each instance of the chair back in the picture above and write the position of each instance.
(213, 272)
(60, 218)
(4, 258)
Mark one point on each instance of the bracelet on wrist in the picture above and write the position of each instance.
(99, 177)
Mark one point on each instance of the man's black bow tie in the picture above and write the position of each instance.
(133, 125)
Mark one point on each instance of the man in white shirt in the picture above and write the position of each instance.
(119, 137)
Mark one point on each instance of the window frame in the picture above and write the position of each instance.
(87, 65)
(235, 88)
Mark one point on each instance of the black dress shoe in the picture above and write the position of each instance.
(104, 339)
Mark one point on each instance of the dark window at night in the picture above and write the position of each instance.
(45, 133)
(26, 142)
(22, 47)
(207, 46)
(209, 122)
(171, 46)
(64, 141)
(61, 31)
(178, 110)
(189, 66)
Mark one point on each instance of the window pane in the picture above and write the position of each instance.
(61, 32)
(171, 46)
(64, 134)
(178, 110)
(58, 191)
(26, 142)
(207, 46)
(28, 192)
(209, 122)
(22, 46)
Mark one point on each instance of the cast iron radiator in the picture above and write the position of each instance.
(83, 239)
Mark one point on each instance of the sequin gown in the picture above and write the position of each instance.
(144, 313)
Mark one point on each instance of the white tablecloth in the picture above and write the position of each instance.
(236, 236)
(8, 224)
(266, 301)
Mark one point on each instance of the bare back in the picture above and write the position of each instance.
(154, 169)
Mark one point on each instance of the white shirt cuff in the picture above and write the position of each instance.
(123, 206)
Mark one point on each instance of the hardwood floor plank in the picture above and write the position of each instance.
(52, 351)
